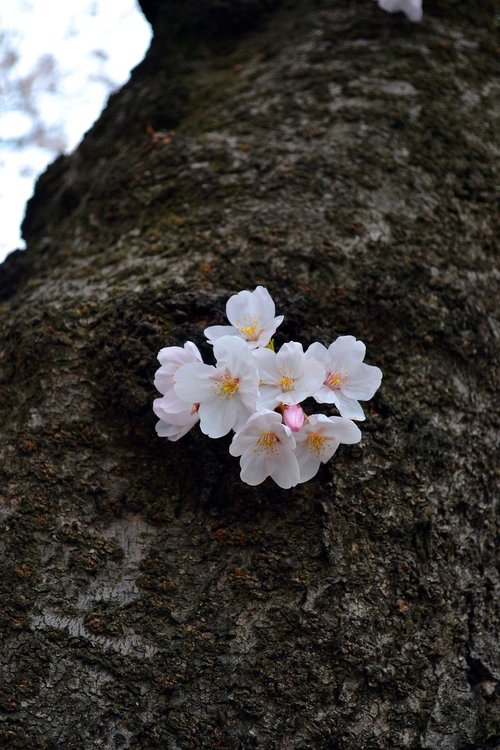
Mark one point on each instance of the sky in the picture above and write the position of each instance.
(58, 64)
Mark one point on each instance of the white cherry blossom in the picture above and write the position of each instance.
(257, 392)
(411, 8)
(266, 447)
(170, 359)
(252, 318)
(318, 440)
(176, 416)
(174, 425)
(287, 376)
(226, 393)
(348, 378)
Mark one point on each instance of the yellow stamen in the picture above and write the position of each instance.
(286, 383)
(336, 378)
(227, 386)
(249, 329)
(268, 441)
(250, 332)
(316, 441)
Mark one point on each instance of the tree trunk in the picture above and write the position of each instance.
(343, 158)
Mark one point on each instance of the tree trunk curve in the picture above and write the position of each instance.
(345, 159)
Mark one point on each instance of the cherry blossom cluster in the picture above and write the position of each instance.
(257, 392)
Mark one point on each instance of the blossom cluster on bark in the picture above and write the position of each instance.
(257, 392)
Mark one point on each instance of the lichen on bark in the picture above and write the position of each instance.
(345, 159)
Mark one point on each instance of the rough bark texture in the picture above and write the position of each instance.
(345, 159)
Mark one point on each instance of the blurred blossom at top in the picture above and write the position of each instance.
(58, 64)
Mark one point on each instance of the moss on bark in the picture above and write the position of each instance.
(345, 159)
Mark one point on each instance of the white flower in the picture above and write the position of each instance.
(170, 359)
(226, 393)
(251, 315)
(176, 417)
(318, 440)
(174, 425)
(412, 8)
(266, 448)
(287, 376)
(347, 377)
(257, 392)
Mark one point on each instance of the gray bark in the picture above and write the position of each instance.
(345, 159)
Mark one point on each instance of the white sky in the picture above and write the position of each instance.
(58, 63)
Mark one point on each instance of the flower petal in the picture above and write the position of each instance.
(348, 407)
(163, 380)
(345, 352)
(237, 307)
(268, 332)
(411, 8)
(269, 397)
(285, 470)
(307, 461)
(291, 358)
(241, 442)
(179, 427)
(325, 395)
(171, 354)
(242, 414)
(171, 358)
(232, 352)
(362, 382)
(311, 379)
(172, 404)
(216, 332)
(261, 305)
(217, 417)
(254, 468)
(318, 351)
(338, 428)
(194, 382)
(294, 417)
(267, 365)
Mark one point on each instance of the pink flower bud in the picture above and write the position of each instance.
(293, 416)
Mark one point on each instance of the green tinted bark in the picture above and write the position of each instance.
(345, 159)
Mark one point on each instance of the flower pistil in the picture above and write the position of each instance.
(316, 441)
(227, 386)
(335, 378)
(249, 329)
(287, 379)
(267, 442)
(286, 383)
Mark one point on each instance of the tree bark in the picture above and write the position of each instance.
(345, 159)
